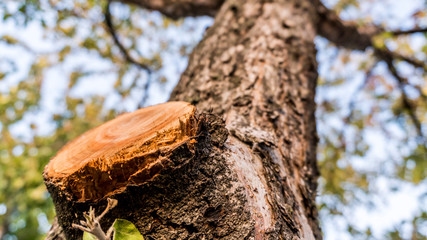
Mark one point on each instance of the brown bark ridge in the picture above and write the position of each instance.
(256, 67)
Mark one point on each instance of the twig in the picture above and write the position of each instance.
(125, 53)
(92, 224)
(388, 57)
(413, 61)
(411, 31)
(352, 103)
(406, 103)
(146, 88)
(123, 50)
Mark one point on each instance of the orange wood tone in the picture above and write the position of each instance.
(107, 157)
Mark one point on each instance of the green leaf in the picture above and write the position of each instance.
(9, 39)
(378, 42)
(123, 229)
(88, 236)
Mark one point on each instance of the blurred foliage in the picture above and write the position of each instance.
(61, 74)
(366, 135)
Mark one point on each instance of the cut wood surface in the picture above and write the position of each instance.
(126, 150)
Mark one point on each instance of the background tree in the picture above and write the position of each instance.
(386, 85)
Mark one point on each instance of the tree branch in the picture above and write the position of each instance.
(125, 53)
(413, 61)
(180, 8)
(343, 33)
(388, 57)
(405, 100)
(351, 105)
(349, 35)
(404, 32)
(112, 31)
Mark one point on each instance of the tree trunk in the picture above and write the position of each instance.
(256, 69)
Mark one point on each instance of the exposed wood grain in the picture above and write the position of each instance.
(125, 150)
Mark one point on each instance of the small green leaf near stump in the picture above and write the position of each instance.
(88, 236)
(123, 229)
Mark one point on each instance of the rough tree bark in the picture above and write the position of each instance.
(254, 175)
(256, 67)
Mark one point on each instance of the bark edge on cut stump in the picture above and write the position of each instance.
(126, 150)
